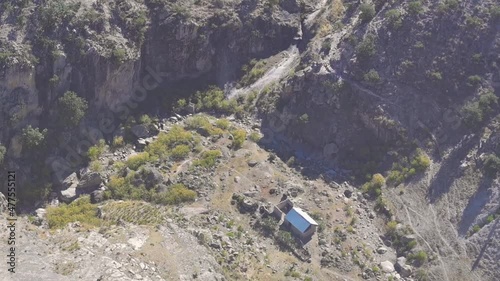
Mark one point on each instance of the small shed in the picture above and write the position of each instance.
(300, 223)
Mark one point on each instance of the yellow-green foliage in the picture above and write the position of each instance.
(239, 137)
(161, 148)
(214, 99)
(97, 150)
(405, 169)
(255, 137)
(121, 188)
(176, 194)
(208, 158)
(180, 152)
(134, 162)
(137, 212)
(222, 123)
(374, 187)
(253, 71)
(420, 161)
(201, 124)
(118, 142)
(80, 210)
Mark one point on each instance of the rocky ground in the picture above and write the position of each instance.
(213, 239)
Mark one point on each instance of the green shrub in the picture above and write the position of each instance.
(394, 17)
(285, 239)
(304, 118)
(374, 187)
(474, 22)
(119, 55)
(448, 5)
(71, 108)
(415, 8)
(32, 138)
(176, 194)
(222, 123)
(421, 161)
(253, 72)
(372, 76)
(239, 137)
(420, 257)
(491, 165)
(487, 100)
(435, 75)
(490, 218)
(145, 120)
(495, 12)
(203, 126)
(214, 99)
(208, 159)
(269, 225)
(118, 141)
(134, 162)
(97, 150)
(367, 12)
(474, 80)
(80, 210)
(255, 137)
(476, 228)
(95, 166)
(472, 114)
(180, 152)
(366, 49)
(161, 147)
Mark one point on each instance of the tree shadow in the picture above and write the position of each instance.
(475, 205)
(443, 179)
(485, 246)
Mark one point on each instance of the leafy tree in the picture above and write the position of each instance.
(32, 137)
(367, 12)
(366, 49)
(491, 165)
(71, 109)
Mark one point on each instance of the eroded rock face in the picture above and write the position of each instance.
(90, 180)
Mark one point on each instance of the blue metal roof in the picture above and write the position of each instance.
(299, 219)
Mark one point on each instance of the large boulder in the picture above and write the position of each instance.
(402, 268)
(140, 131)
(90, 180)
(152, 177)
(69, 194)
(69, 181)
(387, 266)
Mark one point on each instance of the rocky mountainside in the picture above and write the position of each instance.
(378, 117)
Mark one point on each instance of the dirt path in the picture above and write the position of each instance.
(274, 74)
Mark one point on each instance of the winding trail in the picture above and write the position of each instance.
(274, 74)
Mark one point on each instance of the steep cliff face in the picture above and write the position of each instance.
(109, 53)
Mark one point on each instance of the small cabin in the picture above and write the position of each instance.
(300, 223)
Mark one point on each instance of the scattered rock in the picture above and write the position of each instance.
(90, 180)
(237, 179)
(252, 163)
(402, 268)
(140, 131)
(348, 193)
(387, 266)
(69, 194)
(382, 250)
(97, 196)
